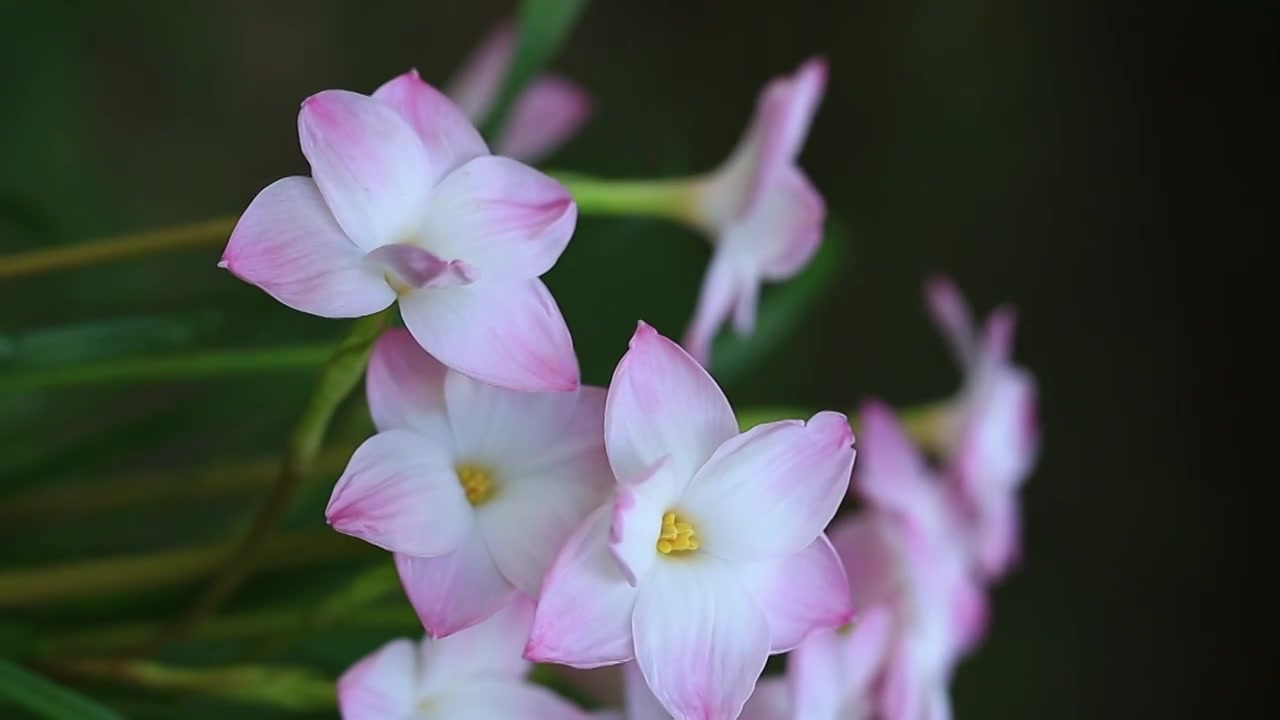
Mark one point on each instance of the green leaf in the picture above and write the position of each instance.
(46, 699)
(543, 27)
(782, 309)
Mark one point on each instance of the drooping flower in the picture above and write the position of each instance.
(546, 114)
(473, 487)
(992, 431)
(770, 701)
(921, 607)
(477, 674)
(761, 209)
(711, 555)
(406, 203)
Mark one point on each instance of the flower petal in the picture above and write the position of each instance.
(871, 561)
(831, 673)
(501, 216)
(503, 427)
(489, 650)
(801, 593)
(369, 165)
(499, 700)
(288, 244)
(509, 334)
(998, 436)
(951, 314)
(400, 492)
(770, 701)
(893, 475)
(549, 112)
(405, 386)
(476, 84)
(788, 477)
(640, 702)
(447, 135)
(452, 592)
(382, 684)
(721, 288)
(786, 109)
(701, 640)
(661, 402)
(781, 234)
(584, 613)
(638, 507)
(409, 267)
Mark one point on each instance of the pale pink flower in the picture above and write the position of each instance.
(477, 674)
(921, 608)
(763, 213)
(711, 555)
(992, 431)
(405, 202)
(770, 701)
(546, 114)
(473, 487)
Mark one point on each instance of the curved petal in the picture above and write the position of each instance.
(498, 700)
(786, 109)
(381, 685)
(577, 450)
(998, 436)
(831, 673)
(800, 594)
(870, 560)
(770, 701)
(893, 475)
(447, 135)
(502, 427)
(717, 298)
(782, 232)
(288, 244)
(950, 312)
(701, 640)
(409, 267)
(501, 216)
(661, 402)
(640, 702)
(638, 508)
(998, 536)
(405, 386)
(400, 492)
(489, 650)
(509, 334)
(549, 112)
(788, 477)
(369, 165)
(584, 613)
(452, 592)
(476, 83)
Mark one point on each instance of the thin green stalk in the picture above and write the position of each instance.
(340, 375)
(166, 568)
(669, 198)
(207, 232)
(167, 368)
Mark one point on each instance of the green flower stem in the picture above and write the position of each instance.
(208, 232)
(925, 424)
(288, 687)
(672, 199)
(338, 378)
(88, 579)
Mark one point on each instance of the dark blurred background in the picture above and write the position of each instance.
(1052, 155)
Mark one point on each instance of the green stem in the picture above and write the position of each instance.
(925, 424)
(167, 368)
(669, 198)
(135, 573)
(208, 232)
(340, 375)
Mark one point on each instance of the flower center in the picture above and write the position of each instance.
(476, 482)
(676, 536)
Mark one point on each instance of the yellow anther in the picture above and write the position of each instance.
(675, 536)
(476, 482)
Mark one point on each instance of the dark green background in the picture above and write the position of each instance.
(1022, 147)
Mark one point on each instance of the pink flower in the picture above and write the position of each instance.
(770, 701)
(475, 675)
(546, 114)
(919, 605)
(993, 435)
(711, 555)
(405, 202)
(763, 212)
(473, 487)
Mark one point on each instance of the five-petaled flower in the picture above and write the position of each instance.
(761, 209)
(712, 554)
(405, 202)
(473, 487)
(475, 675)
(991, 431)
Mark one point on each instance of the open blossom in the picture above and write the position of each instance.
(711, 555)
(473, 487)
(761, 209)
(992, 433)
(406, 203)
(545, 115)
(920, 607)
(477, 674)
(770, 701)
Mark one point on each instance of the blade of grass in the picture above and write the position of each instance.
(47, 699)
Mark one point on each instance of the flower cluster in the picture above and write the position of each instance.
(535, 519)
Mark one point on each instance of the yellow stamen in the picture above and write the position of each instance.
(676, 536)
(476, 482)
